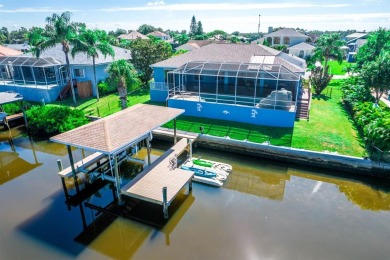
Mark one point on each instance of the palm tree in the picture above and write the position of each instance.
(123, 73)
(59, 29)
(92, 42)
(329, 45)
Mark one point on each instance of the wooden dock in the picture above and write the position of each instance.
(8, 119)
(162, 181)
(84, 163)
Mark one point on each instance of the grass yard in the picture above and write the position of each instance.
(276, 135)
(336, 68)
(330, 127)
(107, 105)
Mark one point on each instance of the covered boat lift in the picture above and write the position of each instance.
(112, 135)
(11, 97)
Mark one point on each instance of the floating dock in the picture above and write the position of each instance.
(161, 182)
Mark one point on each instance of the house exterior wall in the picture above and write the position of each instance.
(101, 74)
(250, 115)
(296, 52)
(32, 93)
(296, 40)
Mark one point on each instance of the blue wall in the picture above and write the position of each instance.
(101, 74)
(250, 115)
(159, 74)
(33, 93)
(158, 95)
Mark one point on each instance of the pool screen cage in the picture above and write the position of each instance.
(22, 70)
(270, 86)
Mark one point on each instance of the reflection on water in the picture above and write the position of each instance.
(265, 210)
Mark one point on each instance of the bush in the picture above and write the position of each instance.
(12, 108)
(46, 121)
(105, 88)
(373, 121)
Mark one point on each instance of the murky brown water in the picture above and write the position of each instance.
(266, 210)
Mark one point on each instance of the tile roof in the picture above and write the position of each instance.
(241, 53)
(302, 46)
(5, 51)
(132, 36)
(18, 47)
(287, 32)
(158, 34)
(110, 134)
(81, 58)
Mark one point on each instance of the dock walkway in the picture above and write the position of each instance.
(162, 174)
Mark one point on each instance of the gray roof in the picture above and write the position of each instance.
(18, 47)
(81, 58)
(287, 32)
(132, 36)
(9, 97)
(302, 46)
(242, 53)
(356, 35)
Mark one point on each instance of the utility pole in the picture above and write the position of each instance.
(258, 28)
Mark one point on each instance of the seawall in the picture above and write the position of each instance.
(322, 160)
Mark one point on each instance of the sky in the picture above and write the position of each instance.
(230, 16)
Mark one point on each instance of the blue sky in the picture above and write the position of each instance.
(226, 15)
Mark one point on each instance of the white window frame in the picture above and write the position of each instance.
(81, 70)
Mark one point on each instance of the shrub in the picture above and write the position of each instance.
(105, 88)
(46, 121)
(12, 108)
(372, 120)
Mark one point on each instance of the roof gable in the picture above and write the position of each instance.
(302, 46)
(286, 32)
(239, 53)
(4, 51)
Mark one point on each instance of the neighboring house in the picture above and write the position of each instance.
(160, 35)
(354, 42)
(287, 36)
(5, 51)
(245, 83)
(19, 47)
(302, 50)
(132, 36)
(193, 45)
(45, 77)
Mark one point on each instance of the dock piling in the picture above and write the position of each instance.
(165, 203)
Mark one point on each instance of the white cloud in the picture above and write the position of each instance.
(37, 10)
(156, 3)
(223, 6)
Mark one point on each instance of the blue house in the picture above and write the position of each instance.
(354, 42)
(244, 83)
(45, 77)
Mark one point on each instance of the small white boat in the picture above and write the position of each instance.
(210, 181)
(218, 172)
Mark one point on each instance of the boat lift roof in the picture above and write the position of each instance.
(115, 133)
(9, 97)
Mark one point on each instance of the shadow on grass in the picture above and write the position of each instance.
(321, 97)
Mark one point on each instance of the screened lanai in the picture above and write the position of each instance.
(29, 71)
(262, 85)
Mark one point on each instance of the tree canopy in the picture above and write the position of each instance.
(193, 26)
(146, 28)
(145, 53)
(329, 45)
(377, 43)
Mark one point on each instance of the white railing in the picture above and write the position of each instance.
(159, 86)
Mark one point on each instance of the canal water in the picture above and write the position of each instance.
(266, 210)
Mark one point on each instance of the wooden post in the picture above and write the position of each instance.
(60, 168)
(148, 150)
(190, 144)
(174, 131)
(117, 179)
(24, 114)
(165, 202)
(73, 169)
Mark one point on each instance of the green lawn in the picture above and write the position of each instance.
(330, 126)
(234, 130)
(336, 68)
(107, 105)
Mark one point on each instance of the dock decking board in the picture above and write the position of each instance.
(148, 186)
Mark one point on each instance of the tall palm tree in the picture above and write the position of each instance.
(329, 45)
(91, 42)
(123, 73)
(59, 29)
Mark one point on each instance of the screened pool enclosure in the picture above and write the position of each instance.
(29, 71)
(259, 85)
